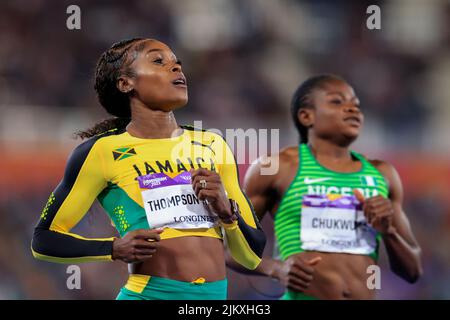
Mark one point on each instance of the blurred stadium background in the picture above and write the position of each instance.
(243, 60)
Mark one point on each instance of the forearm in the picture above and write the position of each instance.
(60, 247)
(404, 258)
(233, 265)
(246, 244)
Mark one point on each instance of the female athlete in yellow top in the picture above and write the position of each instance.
(171, 191)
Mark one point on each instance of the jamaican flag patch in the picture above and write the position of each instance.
(123, 153)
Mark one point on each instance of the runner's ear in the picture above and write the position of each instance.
(306, 117)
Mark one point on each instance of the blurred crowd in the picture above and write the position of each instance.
(243, 60)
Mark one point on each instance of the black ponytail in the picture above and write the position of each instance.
(112, 64)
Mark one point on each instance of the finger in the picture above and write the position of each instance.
(196, 186)
(205, 194)
(368, 211)
(144, 244)
(372, 205)
(383, 205)
(384, 213)
(197, 179)
(294, 287)
(303, 267)
(145, 232)
(145, 252)
(374, 199)
(208, 179)
(298, 282)
(143, 257)
(381, 214)
(379, 210)
(139, 234)
(381, 219)
(154, 236)
(314, 261)
(201, 171)
(299, 274)
(359, 196)
(209, 186)
(149, 234)
(376, 202)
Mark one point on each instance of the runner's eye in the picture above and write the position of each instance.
(158, 61)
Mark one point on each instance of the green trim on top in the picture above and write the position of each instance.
(355, 154)
(114, 200)
(283, 204)
(296, 174)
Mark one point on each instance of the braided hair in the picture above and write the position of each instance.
(112, 64)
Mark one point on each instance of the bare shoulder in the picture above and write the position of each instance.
(289, 151)
(389, 173)
(384, 167)
(288, 155)
(284, 159)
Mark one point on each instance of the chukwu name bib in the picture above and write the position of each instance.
(335, 223)
(171, 202)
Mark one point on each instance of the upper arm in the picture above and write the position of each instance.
(258, 187)
(400, 220)
(83, 180)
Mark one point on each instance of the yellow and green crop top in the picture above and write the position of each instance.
(144, 183)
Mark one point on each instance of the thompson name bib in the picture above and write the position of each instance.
(335, 223)
(171, 202)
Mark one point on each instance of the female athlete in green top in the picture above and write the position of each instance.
(331, 206)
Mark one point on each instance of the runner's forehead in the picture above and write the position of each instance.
(337, 87)
(151, 46)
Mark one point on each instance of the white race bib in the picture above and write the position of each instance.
(171, 202)
(335, 223)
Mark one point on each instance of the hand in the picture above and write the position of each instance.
(136, 245)
(296, 273)
(214, 193)
(378, 212)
